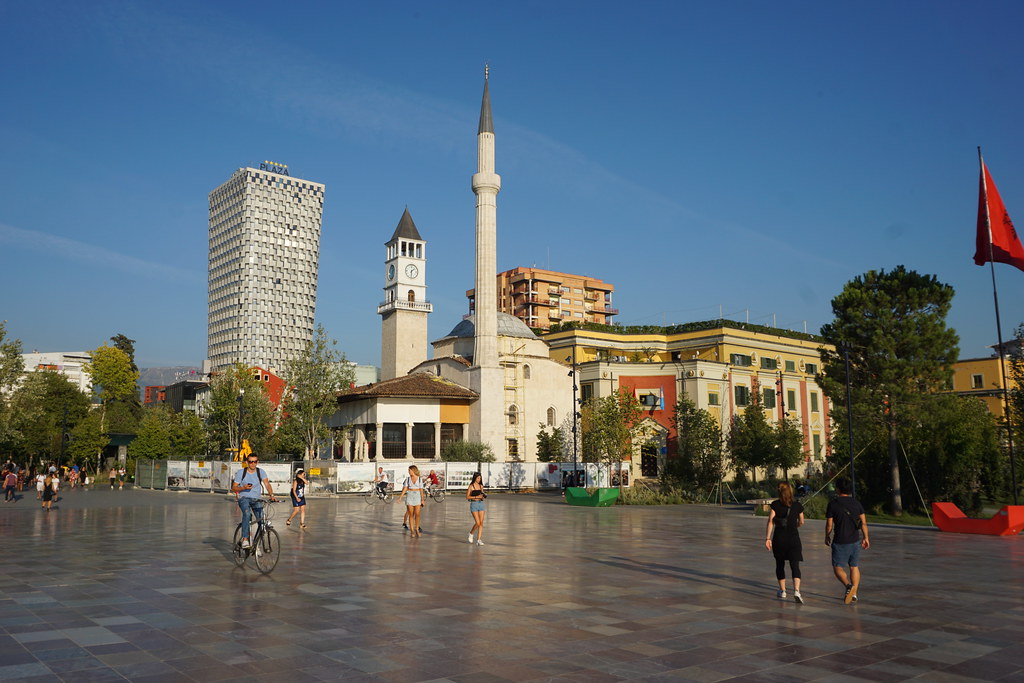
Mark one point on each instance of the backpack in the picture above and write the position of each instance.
(259, 476)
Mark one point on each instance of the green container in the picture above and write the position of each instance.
(600, 498)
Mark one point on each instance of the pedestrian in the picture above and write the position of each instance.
(477, 508)
(785, 517)
(55, 482)
(40, 483)
(298, 498)
(413, 486)
(74, 476)
(113, 476)
(10, 485)
(48, 491)
(845, 517)
(122, 474)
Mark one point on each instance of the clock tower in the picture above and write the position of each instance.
(405, 306)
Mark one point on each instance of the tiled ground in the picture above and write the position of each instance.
(138, 585)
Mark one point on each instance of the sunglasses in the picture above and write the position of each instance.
(252, 462)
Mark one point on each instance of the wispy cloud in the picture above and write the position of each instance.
(81, 252)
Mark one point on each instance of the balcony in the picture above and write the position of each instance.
(399, 305)
(535, 300)
(608, 311)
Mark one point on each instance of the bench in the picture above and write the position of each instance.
(765, 503)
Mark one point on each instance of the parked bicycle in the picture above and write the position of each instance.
(435, 492)
(375, 494)
(265, 546)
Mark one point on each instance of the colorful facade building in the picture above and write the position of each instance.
(983, 378)
(541, 298)
(717, 364)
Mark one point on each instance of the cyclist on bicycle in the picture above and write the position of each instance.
(247, 485)
(381, 480)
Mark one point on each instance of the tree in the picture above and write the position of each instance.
(314, 378)
(191, 438)
(43, 408)
(549, 444)
(154, 438)
(752, 439)
(128, 347)
(225, 407)
(789, 446)
(87, 438)
(467, 451)
(11, 369)
(698, 445)
(893, 326)
(608, 426)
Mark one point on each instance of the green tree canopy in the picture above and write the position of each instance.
(257, 412)
(893, 326)
(607, 425)
(549, 444)
(752, 439)
(313, 380)
(699, 445)
(11, 368)
(38, 413)
(467, 451)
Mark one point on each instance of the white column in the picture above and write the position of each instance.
(408, 440)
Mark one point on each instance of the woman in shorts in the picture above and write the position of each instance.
(475, 495)
(413, 488)
(298, 494)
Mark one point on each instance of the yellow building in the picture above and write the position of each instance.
(982, 378)
(541, 298)
(717, 364)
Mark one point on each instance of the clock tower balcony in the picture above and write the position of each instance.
(400, 305)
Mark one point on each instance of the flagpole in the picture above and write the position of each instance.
(999, 331)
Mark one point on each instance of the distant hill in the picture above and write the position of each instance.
(150, 377)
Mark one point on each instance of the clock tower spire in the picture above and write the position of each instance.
(405, 307)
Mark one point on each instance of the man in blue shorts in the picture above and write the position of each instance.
(247, 485)
(845, 516)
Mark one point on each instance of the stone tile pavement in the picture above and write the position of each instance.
(139, 585)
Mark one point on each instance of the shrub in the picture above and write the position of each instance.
(467, 451)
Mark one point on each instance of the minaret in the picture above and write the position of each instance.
(488, 413)
(403, 340)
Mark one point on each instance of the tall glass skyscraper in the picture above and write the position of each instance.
(264, 257)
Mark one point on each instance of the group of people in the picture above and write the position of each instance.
(47, 480)
(846, 532)
(249, 483)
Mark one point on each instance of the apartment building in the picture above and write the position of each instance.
(541, 298)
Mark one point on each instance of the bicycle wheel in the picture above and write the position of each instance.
(437, 495)
(237, 553)
(268, 551)
(388, 496)
(370, 497)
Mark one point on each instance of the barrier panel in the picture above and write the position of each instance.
(200, 475)
(321, 477)
(177, 474)
(220, 476)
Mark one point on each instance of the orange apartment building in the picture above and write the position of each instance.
(541, 297)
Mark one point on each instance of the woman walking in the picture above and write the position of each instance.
(785, 518)
(298, 498)
(413, 486)
(475, 495)
(48, 484)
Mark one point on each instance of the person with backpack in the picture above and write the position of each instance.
(247, 484)
(412, 492)
(785, 517)
(845, 516)
(298, 495)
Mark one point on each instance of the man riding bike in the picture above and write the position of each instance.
(247, 484)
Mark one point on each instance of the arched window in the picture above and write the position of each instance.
(551, 417)
(513, 415)
(526, 372)
(412, 296)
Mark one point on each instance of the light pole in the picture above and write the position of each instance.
(849, 418)
(575, 415)
(241, 414)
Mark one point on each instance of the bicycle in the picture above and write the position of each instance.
(435, 492)
(265, 544)
(375, 494)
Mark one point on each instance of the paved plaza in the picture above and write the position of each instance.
(139, 585)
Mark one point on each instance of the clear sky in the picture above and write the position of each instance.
(745, 155)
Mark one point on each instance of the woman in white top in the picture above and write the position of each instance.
(413, 486)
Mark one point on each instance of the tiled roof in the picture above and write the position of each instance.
(418, 385)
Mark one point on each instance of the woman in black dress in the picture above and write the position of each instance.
(783, 538)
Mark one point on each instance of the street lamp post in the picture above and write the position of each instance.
(575, 415)
(241, 414)
(849, 419)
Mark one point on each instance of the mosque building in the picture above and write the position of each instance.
(490, 380)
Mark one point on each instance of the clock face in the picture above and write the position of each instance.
(412, 271)
(391, 272)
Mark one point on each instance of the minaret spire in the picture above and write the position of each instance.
(486, 120)
(487, 379)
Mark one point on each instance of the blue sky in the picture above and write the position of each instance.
(754, 156)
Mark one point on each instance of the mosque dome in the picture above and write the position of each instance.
(508, 326)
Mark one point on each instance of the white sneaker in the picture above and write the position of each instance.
(479, 542)
(799, 598)
(781, 595)
(245, 542)
(470, 538)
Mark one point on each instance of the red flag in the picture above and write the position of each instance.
(997, 239)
